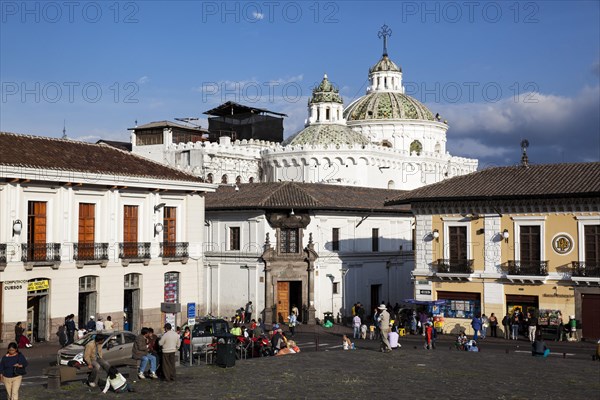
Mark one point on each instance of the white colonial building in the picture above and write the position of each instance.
(89, 229)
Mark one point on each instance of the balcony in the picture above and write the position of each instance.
(586, 273)
(90, 253)
(454, 266)
(40, 254)
(453, 269)
(174, 251)
(134, 252)
(526, 271)
(2, 256)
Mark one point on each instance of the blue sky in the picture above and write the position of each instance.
(497, 71)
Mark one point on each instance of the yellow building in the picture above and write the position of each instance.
(503, 238)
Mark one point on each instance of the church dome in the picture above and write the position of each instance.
(386, 105)
(325, 93)
(326, 134)
(385, 64)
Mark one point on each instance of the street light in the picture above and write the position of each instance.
(331, 277)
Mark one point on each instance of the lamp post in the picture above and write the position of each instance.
(246, 267)
(331, 277)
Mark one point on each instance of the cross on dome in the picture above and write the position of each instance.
(384, 33)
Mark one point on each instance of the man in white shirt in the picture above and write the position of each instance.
(170, 343)
(356, 325)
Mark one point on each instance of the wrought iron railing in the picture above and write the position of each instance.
(174, 249)
(134, 250)
(454, 266)
(38, 252)
(581, 268)
(90, 251)
(2, 253)
(532, 268)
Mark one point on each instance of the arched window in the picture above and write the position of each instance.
(416, 147)
(438, 148)
(327, 114)
(209, 178)
(386, 143)
(238, 180)
(224, 179)
(251, 179)
(391, 185)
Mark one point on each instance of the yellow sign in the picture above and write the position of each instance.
(38, 285)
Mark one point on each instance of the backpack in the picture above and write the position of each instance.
(505, 320)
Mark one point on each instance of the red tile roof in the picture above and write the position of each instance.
(69, 155)
(302, 196)
(534, 181)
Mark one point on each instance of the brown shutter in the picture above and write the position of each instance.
(530, 243)
(130, 231)
(457, 242)
(36, 231)
(169, 233)
(592, 244)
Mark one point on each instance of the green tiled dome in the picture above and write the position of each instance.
(387, 105)
(385, 64)
(325, 92)
(326, 134)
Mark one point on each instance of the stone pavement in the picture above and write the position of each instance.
(365, 373)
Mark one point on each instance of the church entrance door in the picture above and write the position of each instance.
(283, 301)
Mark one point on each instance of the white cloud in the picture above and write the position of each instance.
(144, 79)
(258, 16)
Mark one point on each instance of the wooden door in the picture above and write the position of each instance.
(283, 301)
(169, 232)
(87, 225)
(36, 231)
(130, 231)
(590, 310)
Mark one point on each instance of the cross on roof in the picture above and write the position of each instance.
(384, 33)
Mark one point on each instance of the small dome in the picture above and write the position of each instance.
(385, 64)
(387, 105)
(325, 93)
(326, 134)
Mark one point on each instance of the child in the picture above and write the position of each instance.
(346, 343)
(117, 382)
(363, 331)
(428, 335)
(371, 332)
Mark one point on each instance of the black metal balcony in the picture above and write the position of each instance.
(174, 250)
(530, 268)
(40, 252)
(90, 251)
(447, 266)
(134, 250)
(2, 253)
(584, 269)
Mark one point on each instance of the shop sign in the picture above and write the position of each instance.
(38, 285)
(14, 285)
(424, 291)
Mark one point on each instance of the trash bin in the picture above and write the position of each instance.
(328, 317)
(226, 350)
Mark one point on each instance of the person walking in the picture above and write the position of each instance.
(356, 322)
(140, 351)
(92, 355)
(187, 342)
(292, 321)
(12, 359)
(476, 325)
(170, 344)
(493, 325)
(249, 311)
(384, 328)
(485, 322)
(532, 326)
(506, 326)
